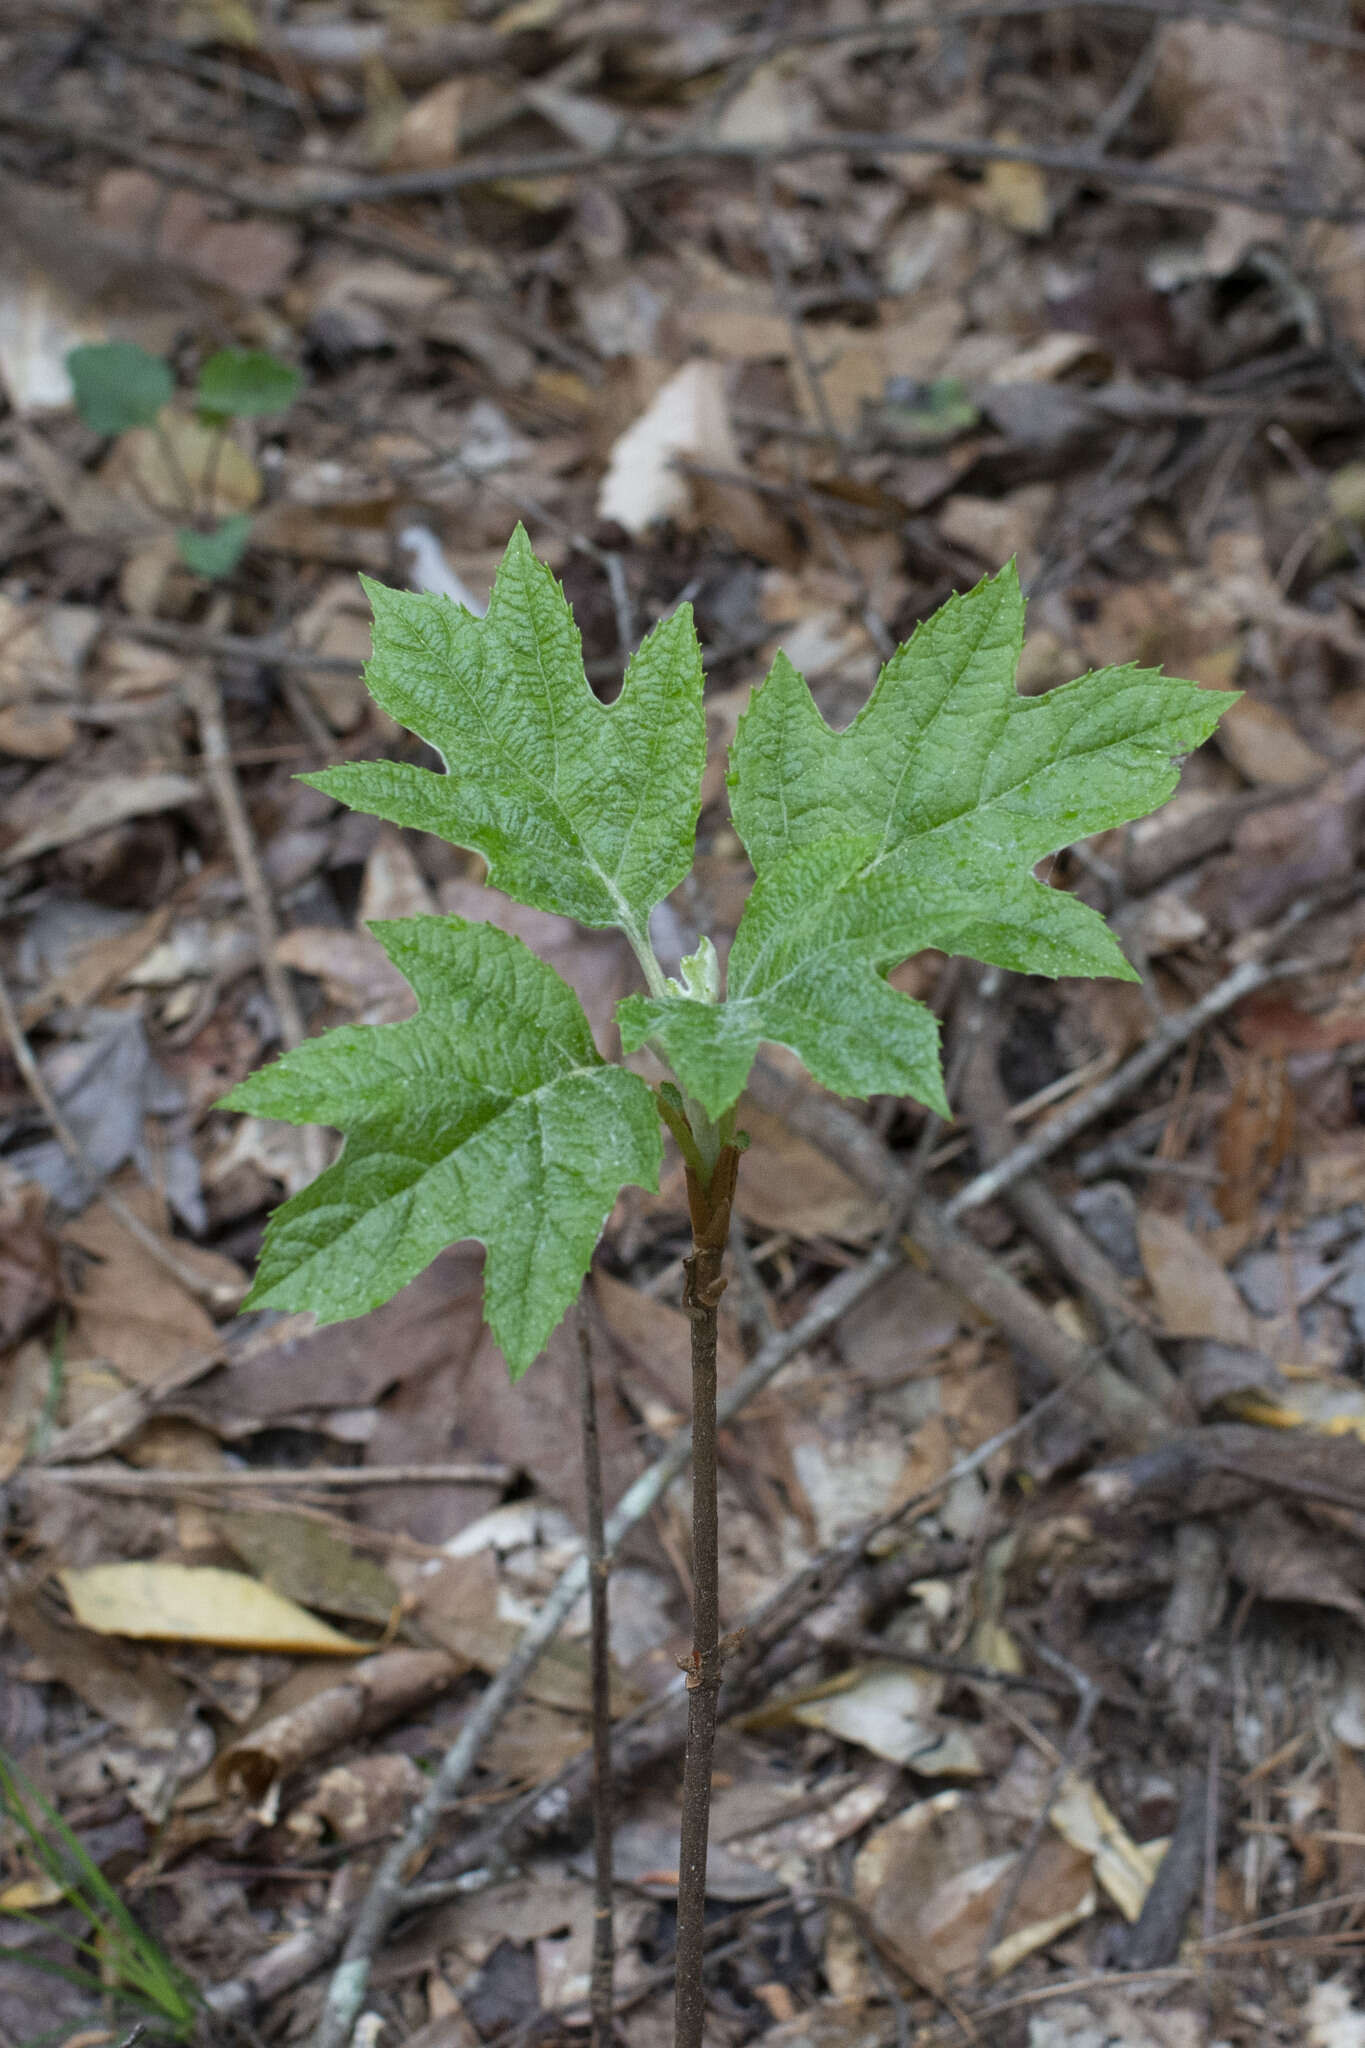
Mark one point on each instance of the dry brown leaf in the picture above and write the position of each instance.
(658, 1337)
(737, 327)
(128, 1308)
(856, 363)
(906, 1320)
(474, 327)
(1167, 922)
(1263, 744)
(429, 132)
(307, 1563)
(787, 1184)
(337, 625)
(1334, 1173)
(30, 1274)
(1289, 850)
(128, 1686)
(292, 1369)
(891, 1710)
(26, 1382)
(366, 1698)
(167, 225)
(36, 732)
(350, 536)
(43, 649)
(354, 970)
(1015, 194)
(1255, 1134)
(361, 1801)
(95, 807)
(533, 1742)
(1278, 1557)
(1194, 1295)
(100, 963)
(455, 1605)
(995, 528)
(1273, 1023)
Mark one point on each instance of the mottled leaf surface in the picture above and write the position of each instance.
(488, 1115)
(918, 826)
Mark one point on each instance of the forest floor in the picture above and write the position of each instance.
(1048, 1727)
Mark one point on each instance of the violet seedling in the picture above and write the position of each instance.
(119, 386)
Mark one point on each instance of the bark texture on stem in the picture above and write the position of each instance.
(703, 1287)
(602, 1994)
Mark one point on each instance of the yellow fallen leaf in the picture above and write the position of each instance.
(1125, 1868)
(1015, 194)
(29, 1893)
(198, 1604)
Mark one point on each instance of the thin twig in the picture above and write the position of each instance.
(1172, 1033)
(1116, 1407)
(205, 700)
(135, 1484)
(1070, 1245)
(889, 34)
(1076, 162)
(615, 571)
(786, 300)
(1075, 1987)
(1130, 95)
(642, 157)
(218, 1294)
(602, 1988)
(294, 1958)
(265, 648)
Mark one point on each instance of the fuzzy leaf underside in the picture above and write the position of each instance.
(488, 1115)
(918, 826)
(578, 807)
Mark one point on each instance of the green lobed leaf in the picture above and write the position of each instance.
(118, 385)
(218, 552)
(242, 383)
(490, 1115)
(917, 826)
(579, 807)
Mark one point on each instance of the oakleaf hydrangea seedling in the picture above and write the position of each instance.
(491, 1114)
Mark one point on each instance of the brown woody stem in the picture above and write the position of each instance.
(703, 1287)
(602, 1993)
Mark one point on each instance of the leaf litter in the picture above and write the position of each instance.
(810, 396)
